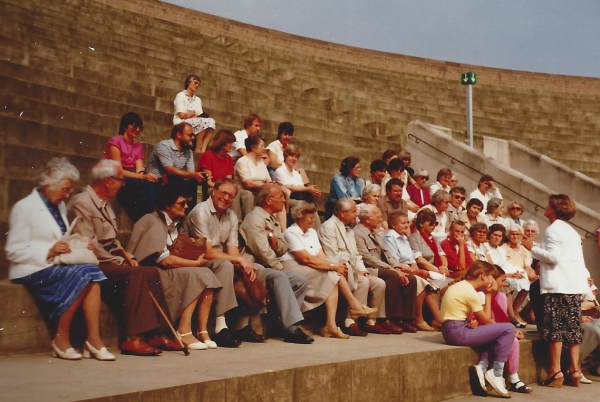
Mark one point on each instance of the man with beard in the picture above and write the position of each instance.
(173, 160)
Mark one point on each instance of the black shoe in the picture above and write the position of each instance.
(298, 336)
(247, 334)
(225, 338)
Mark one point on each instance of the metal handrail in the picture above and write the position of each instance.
(453, 159)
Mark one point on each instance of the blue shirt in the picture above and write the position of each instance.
(399, 247)
(345, 187)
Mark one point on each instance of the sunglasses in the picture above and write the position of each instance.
(459, 197)
(433, 223)
(516, 208)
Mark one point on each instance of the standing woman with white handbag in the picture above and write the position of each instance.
(35, 247)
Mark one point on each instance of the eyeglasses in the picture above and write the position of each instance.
(134, 127)
(515, 208)
(118, 178)
(226, 195)
(66, 190)
(181, 203)
(459, 197)
(433, 223)
(422, 178)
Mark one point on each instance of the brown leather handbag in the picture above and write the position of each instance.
(253, 295)
(186, 247)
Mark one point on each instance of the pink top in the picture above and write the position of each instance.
(130, 153)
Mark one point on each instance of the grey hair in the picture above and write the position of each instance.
(103, 169)
(492, 204)
(515, 228)
(421, 173)
(342, 205)
(366, 211)
(439, 196)
(533, 223)
(302, 209)
(57, 170)
(370, 189)
(516, 203)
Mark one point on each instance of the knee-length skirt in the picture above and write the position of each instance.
(320, 283)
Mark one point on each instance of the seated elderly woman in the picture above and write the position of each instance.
(370, 196)
(515, 275)
(346, 184)
(518, 256)
(418, 192)
(427, 252)
(326, 277)
(151, 239)
(494, 210)
(188, 108)
(515, 210)
(289, 177)
(250, 174)
(138, 194)
(34, 249)
(474, 208)
(440, 200)
(530, 230)
(216, 162)
(477, 244)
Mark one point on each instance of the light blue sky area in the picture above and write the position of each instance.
(559, 37)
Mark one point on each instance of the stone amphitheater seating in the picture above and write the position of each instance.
(70, 69)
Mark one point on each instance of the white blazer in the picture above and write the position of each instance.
(32, 233)
(561, 259)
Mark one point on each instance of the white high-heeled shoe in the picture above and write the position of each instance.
(193, 346)
(69, 354)
(209, 342)
(102, 354)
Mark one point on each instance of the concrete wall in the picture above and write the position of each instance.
(518, 185)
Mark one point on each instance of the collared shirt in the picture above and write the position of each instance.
(166, 154)
(345, 187)
(387, 207)
(254, 231)
(240, 138)
(399, 247)
(298, 240)
(249, 168)
(204, 222)
(172, 233)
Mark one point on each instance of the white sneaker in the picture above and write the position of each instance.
(497, 383)
(477, 379)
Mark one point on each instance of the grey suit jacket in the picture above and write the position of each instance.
(375, 255)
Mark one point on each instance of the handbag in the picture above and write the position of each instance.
(188, 248)
(253, 295)
(80, 253)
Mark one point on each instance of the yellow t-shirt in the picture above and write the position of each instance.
(460, 300)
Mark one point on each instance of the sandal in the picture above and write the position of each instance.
(519, 386)
(553, 381)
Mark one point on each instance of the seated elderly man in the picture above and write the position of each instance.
(214, 221)
(401, 255)
(400, 288)
(392, 201)
(456, 210)
(264, 240)
(128, 286)
(173, 160)
(337, 239)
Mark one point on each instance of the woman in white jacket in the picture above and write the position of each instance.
(563, 281)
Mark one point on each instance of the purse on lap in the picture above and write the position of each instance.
(80, 253)
(188, 248)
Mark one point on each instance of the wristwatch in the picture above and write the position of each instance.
(270, 235)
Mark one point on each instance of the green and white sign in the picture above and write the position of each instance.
(468, 78)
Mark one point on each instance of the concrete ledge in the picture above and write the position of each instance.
(410, 367)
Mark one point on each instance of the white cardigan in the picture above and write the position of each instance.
(561, 256)
(32, 233)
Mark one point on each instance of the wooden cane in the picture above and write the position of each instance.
(175, 334)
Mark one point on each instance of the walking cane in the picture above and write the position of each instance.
(175, 334)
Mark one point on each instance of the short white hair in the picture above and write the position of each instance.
(533, 223)
(103, 169)
(366, 211)
(57, 170)
(370, 189)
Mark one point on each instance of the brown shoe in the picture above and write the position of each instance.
(138, 347)
(390, 326)
(164, 342)
(408, 327)
(353, 330)
(376, 328)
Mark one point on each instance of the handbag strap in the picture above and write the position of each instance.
(71, 226)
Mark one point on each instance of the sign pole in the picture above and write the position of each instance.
(469, 79)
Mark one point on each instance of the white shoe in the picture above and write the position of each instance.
(102, 354)
(585, 380)
(497, 383)
(193, 346)
(210, 343)
(477, 379)
(69, 354)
